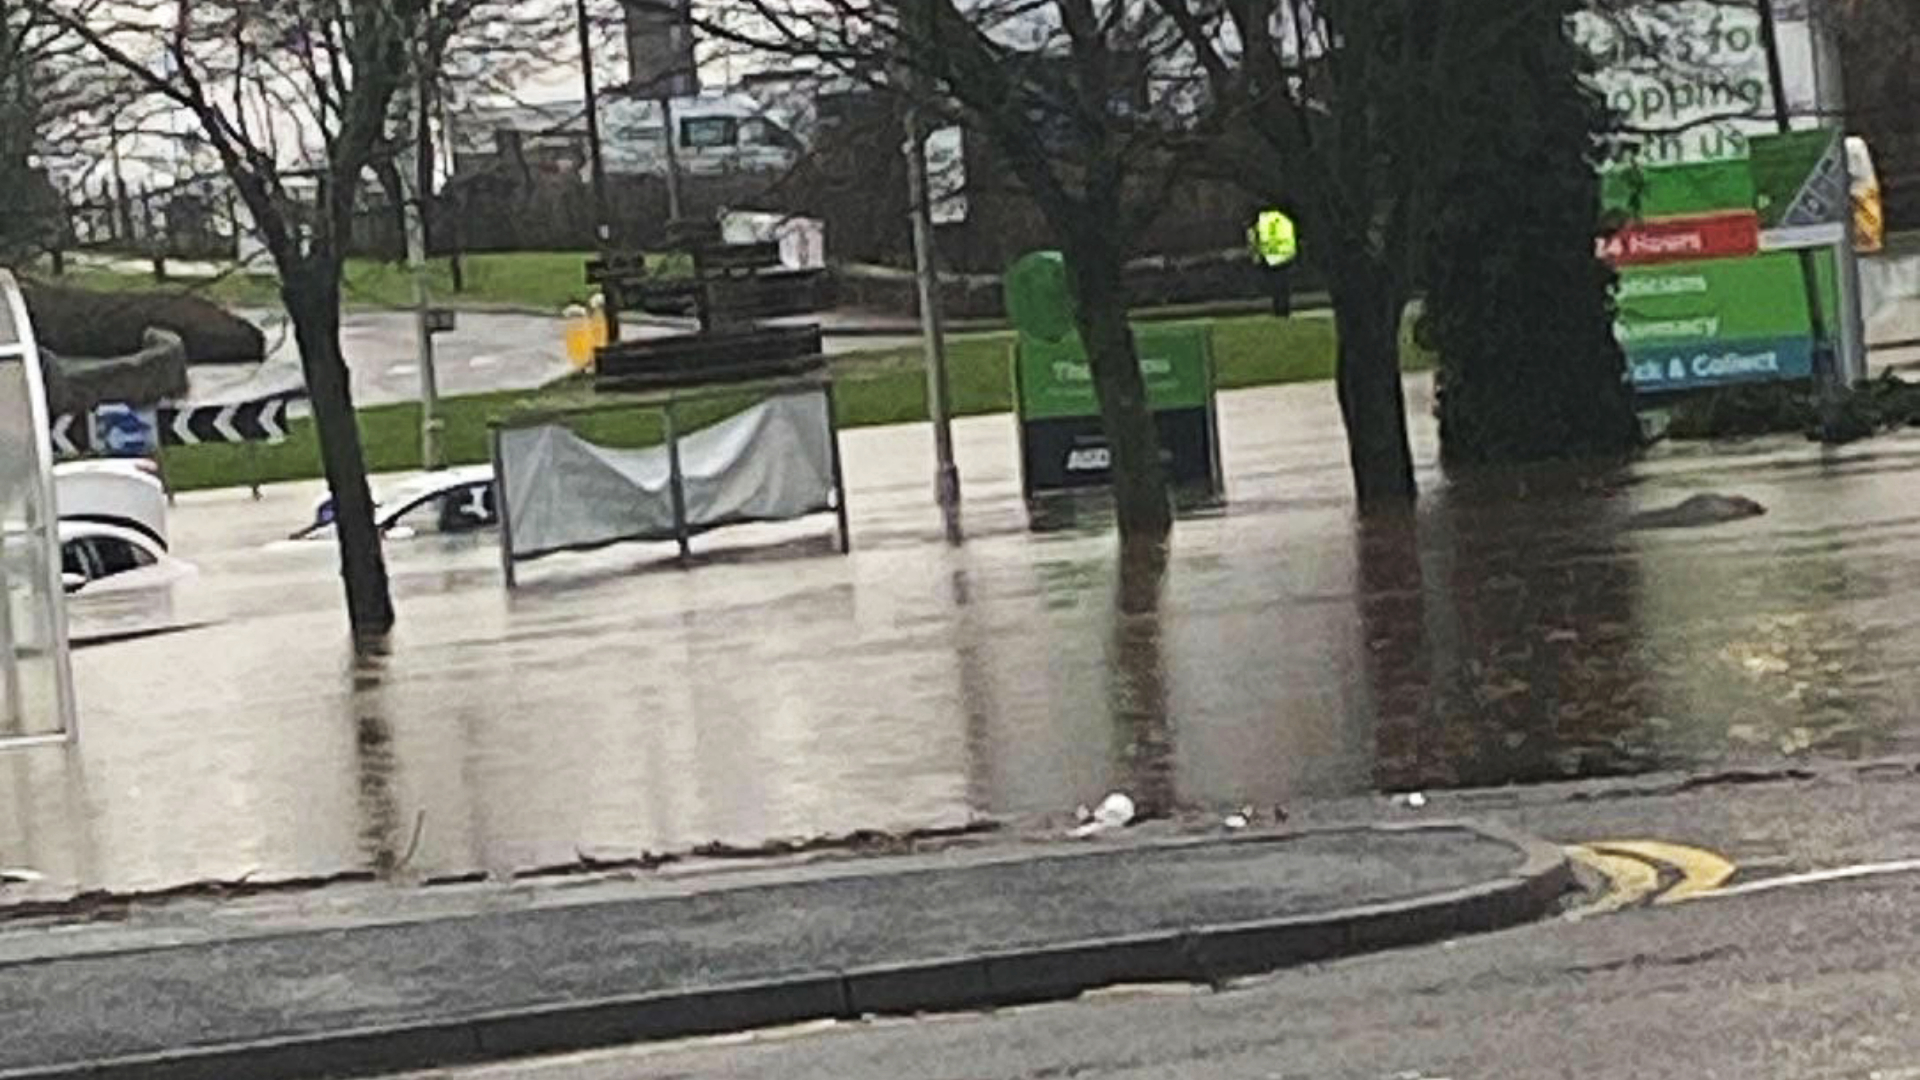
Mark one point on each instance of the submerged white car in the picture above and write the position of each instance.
(98, 557)
(113, 526)
(445, 501)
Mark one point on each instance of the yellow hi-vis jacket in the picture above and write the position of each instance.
(1272, 238)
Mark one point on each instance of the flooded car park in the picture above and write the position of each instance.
(618, 703)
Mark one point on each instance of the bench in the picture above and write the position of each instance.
(733, 288)
(717, 356)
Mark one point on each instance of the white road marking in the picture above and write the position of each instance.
(1817, 877)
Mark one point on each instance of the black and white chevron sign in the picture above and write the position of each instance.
(264, 420)
(70, 437)
(245, 421)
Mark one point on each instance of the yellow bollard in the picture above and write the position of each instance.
(585, 332)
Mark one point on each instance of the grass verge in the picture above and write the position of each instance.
(881, 387)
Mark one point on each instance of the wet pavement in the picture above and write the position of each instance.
(1517, 631)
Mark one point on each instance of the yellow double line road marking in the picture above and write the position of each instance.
(1634, 870)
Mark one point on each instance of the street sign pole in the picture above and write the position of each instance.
(597, 164)
(933, 336)
(422, 291)
(423, 334)
(1826, 369)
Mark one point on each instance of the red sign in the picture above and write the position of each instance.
(1715, 236)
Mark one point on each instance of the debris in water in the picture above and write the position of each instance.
(1114, 812)
(1709, 509)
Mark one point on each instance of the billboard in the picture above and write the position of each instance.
(1063, 442)
(1713, 260)
(1688, 78)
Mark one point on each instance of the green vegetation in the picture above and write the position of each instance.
(881, 387)
(544, 280)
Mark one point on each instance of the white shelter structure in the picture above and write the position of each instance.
(36, 679)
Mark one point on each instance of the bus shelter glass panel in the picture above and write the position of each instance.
(35, 685)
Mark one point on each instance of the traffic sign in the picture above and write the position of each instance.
(124, 431)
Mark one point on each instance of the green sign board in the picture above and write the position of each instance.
(1695, 324)
(1737, 311)
(1678, 190)
(1063, 445)
(1800, 180)
(1055, 381)
(1756, 297)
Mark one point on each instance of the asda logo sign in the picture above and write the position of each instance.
(1090, 459)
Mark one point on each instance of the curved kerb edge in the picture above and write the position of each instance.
(1206, 954)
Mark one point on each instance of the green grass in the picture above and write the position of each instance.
(881, 387)
(544, 280)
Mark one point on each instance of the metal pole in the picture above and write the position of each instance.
(422, 290)
(501, 509)
(602, 209)
(946, 475)
(677, 483)
(1830, 97)
(673, 158)
(1825, 370)
(13, 714)
(839, 473)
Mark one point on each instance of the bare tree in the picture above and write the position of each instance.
(21, 39)
(292, 97)
(1084, 102)
(1335, 111)
(49, 107)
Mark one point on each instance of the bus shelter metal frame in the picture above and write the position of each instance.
(668, 403)
(21, 349)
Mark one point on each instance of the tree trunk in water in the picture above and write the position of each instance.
(1137, 690)
(1366, 314)
(311, 292)
(1140, 501)
(1519, 313)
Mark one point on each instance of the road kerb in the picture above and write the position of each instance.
(1053, 971)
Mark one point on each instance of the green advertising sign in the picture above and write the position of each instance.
(1689, 325)
(1756, 297)
(1800, 179)
(1063, 443)
(1678, 190)
(1742, 316)
(1055, 381)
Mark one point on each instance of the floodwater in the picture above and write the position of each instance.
(1514, 631)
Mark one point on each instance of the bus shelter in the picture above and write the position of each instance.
(36, 680)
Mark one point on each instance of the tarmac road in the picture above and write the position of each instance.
(1821, 981)
(1804, 981)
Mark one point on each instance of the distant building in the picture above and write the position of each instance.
(717, 133)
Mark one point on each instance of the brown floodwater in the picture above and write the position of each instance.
(1514, 630)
